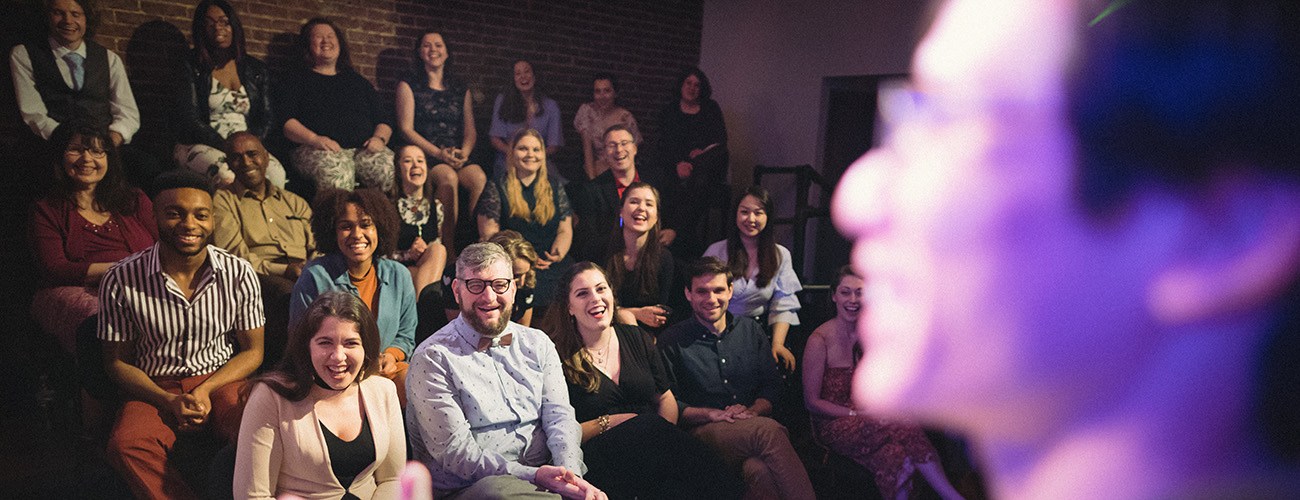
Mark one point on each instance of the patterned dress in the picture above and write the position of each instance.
(229, 113)
(890, 450)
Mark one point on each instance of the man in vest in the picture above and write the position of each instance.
(67, 76)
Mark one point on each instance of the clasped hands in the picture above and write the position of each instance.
(565, 483)
(190, 409)
(731, 414)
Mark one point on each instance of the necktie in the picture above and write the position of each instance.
(74, 61)
(499, 341)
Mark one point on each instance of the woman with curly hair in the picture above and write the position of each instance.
(354, 229)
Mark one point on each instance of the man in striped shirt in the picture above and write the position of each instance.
(181, 324)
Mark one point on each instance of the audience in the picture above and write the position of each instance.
(598, 202)
(435, 112)
(227, 91)
(891, 451)
(526, 201)
(595, 118)
(641, 269)
(322, 406)
(418, 243)
(525, 107)
(68, 76)
(726, 383)
(90, 219)
(335, 116)
(691, 151)
(1100, 288)
(765, 282)
(181, 324)
(267, 226)
(489, 411)
(522, 257)
(354, 230)
(620, 393)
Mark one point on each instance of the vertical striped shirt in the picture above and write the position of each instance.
(172, 335)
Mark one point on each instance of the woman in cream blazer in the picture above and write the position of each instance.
(318, 416)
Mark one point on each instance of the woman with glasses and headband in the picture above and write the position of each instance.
(354, 229)
(90, 219)
(227, 91)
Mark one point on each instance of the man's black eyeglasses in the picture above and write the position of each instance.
(476, 286)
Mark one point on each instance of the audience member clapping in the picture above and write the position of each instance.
(320, 425)
(335, 116)
(226, 91)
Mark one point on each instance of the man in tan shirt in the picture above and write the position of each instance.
(269, 227)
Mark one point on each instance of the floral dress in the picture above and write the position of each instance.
(421, 218)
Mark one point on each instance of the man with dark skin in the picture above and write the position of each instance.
(267, 226)
(181, 324)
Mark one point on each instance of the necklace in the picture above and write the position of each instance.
(599, 356)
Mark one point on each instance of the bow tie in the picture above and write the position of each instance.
(499, 341)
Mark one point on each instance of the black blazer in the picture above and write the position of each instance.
(193, 115)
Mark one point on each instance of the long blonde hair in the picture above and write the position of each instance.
(545, 208)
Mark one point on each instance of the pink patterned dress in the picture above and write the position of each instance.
(889, 450)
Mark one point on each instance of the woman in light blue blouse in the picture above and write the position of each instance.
(765, 283)
(525, 107)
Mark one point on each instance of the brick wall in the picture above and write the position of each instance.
(645, 43)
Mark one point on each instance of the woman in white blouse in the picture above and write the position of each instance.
(765, 283)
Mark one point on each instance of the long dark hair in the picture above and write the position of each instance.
(418, 73)
(112, 193)
(205, 50)
(293, 378)
(578, 370)
(344, 63)
(330, 205)
(647, 262)
(767, 255)
(513, 108)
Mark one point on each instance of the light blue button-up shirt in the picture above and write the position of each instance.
(473, 414)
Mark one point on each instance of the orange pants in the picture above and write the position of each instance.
(144, 436)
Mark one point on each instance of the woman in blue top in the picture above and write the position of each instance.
(765, 283)
(354, 229)
(524, 107)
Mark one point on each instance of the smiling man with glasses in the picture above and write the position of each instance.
(489, 410)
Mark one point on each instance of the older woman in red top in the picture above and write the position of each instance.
(90, 220)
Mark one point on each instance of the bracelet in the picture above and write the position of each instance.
(852, 412)
(603, 422)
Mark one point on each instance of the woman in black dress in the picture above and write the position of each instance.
(619, 391)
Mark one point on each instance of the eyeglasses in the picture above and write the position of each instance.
(75, 150)
(476, 286)
(616, 145)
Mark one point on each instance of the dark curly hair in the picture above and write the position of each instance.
(293, 378)
(112, 193)
(706, 88)
(330, 205)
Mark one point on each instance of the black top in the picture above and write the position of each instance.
(193, 117)
(439, 114)
(343, 107)
(642, 379)
(680, 133)
(629, 291)
(523, 302)
(349, 458)
(714, 371)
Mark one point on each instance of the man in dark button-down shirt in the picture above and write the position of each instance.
(725, 382)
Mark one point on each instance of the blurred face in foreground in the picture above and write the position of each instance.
(991, 290)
